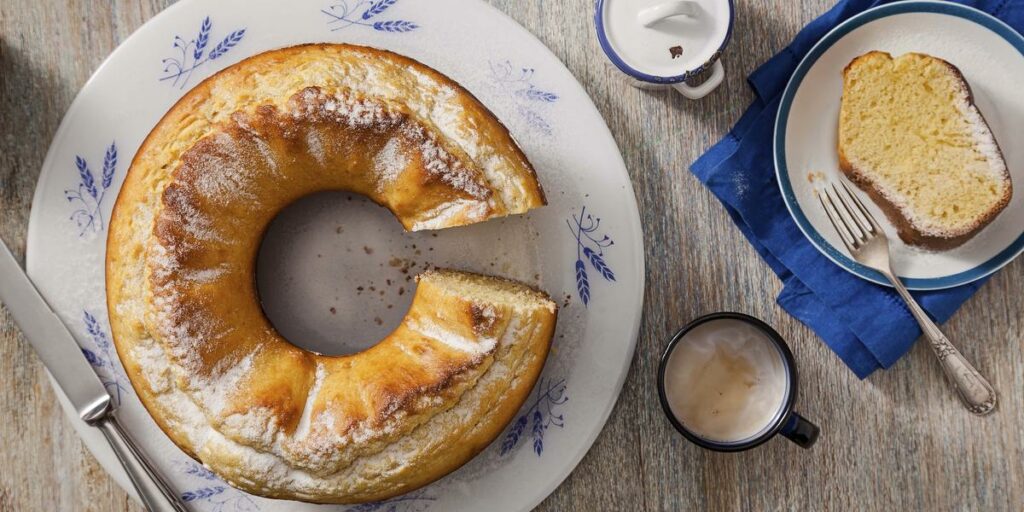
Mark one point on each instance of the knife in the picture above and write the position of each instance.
(63, 357)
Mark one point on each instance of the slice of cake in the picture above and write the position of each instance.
(911, 137)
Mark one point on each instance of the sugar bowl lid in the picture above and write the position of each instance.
(663, 41)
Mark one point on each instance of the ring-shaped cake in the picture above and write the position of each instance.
(267, 416)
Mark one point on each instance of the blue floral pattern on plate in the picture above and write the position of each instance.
(364, 13)
(416, 501)
(212, 491)
(528, 99)
(541, 415)
(89, 193)
(589, 249)
(102, 359)
(192, 53)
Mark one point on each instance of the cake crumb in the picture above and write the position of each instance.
(815, 176)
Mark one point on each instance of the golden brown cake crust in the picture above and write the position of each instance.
(271, 418)
(906, 229)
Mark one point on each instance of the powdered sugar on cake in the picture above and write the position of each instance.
(389, 163)
(984, 142)
(187, 217)
(273, 467)
(364, 113)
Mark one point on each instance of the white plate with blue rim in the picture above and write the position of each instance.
(585, 248)
(991, 56)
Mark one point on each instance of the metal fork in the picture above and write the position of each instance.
(868, 245)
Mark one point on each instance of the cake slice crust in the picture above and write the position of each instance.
(911, 137)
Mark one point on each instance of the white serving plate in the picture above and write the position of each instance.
(991, 56)
(309, 265)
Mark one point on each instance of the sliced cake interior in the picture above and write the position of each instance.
(911, 136)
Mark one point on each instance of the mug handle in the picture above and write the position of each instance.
(800, 431)
(654, 14)
(698, 92)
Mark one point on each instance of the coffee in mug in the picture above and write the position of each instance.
(728, 382)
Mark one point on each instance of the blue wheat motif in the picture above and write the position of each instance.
(347, 13)
(527, 97)
(200, 471)
(377, 8)
(228, 43)
(179, 69)
(395, 26)
(201, 493)
(102, 358)
(513, 435)
(109, 166)
(541, 414)
(538, 432)
(415, 501)
(203, 38)
(589, 248)
(535, 120)
(211, 490)
(536, 94)
(88, 182)
(598, 262)
(582, 282)
(92, 358)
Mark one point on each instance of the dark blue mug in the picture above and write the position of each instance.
(785, 421)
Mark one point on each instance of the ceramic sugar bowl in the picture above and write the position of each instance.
(663, 43)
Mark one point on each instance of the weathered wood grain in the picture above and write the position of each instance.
(898, 440)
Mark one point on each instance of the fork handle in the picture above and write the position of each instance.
(974, 390)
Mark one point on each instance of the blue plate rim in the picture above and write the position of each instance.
(984, 19)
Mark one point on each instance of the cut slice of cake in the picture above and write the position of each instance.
(911, 137)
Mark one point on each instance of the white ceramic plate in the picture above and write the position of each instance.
(991, 56)
(324, 249)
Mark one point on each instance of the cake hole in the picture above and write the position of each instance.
(335, 273)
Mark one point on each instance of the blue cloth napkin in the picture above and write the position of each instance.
(866, 325)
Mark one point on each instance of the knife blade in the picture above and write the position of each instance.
(52, 341)
(63, 356)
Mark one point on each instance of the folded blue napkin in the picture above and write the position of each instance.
(866, 325)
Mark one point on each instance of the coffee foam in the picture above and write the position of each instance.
(726, 381)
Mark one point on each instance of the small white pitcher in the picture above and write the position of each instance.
(660, 44)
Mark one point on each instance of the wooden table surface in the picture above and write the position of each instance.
(898, 440)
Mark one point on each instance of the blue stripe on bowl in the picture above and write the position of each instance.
(639, 75)
(782, 172)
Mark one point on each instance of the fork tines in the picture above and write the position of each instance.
(848, 216)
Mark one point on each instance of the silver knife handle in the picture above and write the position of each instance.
(154, 492)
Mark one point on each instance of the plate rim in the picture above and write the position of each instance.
(639, 259)
(632, 222)
(782, 173)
